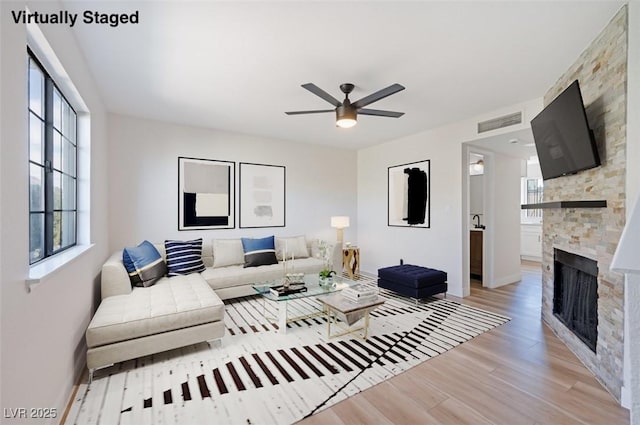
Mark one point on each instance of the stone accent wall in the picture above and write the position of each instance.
(602, 72)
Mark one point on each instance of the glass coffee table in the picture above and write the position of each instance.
(314, 289)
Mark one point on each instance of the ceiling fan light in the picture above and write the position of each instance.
(346, 122)
(346, 116)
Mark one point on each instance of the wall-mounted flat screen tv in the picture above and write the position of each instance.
(563, 139)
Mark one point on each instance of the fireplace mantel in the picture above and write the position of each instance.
(565, 204)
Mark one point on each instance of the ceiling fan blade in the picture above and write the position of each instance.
(309, 112)
(380, 113)
(380, 94)
(321, 93)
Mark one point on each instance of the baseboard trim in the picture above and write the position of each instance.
(625, 398)
(516, 277)
(531, 258)
(81, 372)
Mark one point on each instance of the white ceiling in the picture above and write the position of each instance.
(238, 66)
(518, 144)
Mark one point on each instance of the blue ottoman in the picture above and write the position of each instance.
(413, 281)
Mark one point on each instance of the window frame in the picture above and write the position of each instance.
(49, 131)
(531, 216)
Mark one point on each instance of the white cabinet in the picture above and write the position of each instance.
(531, 242)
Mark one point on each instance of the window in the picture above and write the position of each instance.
(532, 192)
(52, 166)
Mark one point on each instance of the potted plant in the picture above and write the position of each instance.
(324, 253)
(326, 276)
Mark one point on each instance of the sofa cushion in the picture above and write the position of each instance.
(144, 264)
(227, 252)
(226, 277)
(184, 257)
(172, 303)
(295, 246)
(259, 252)
(314, 248)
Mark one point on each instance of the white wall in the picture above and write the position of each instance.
(506, 220)
(143, 160)
(43, 348)
(533, 170)
(476, 189)
(2, 97)
(631, 390)
(437, 247)
(442, 245)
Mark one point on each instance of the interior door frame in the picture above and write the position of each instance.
(488, 238)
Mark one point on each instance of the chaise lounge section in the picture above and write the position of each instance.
(177, 311)
(174, 312)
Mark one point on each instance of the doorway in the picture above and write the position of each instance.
(476, 216)
(478, 228)
(491, 206)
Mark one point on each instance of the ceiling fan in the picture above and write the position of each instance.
(346, 111)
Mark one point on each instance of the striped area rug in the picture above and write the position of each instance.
(259, 376)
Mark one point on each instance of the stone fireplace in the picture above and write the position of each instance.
(589, 232)
(575, 295)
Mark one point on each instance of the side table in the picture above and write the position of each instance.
(351, 261)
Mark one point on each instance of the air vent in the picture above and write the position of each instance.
(500, 122)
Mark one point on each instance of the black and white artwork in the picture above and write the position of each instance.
(409, 195)
(262, 195)
(206, 194)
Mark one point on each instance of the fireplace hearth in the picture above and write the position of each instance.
(575, 295)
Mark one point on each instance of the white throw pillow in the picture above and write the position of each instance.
(315, 250)
(296, 246)
(227, 252)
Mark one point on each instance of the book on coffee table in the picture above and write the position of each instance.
(360, 292)
(293, 288)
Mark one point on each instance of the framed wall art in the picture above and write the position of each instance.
(262, 195)
(206, 194)
(409, 195)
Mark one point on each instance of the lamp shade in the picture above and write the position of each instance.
(346, 122)
(340, 221)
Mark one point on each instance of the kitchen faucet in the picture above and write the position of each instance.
(477, 225)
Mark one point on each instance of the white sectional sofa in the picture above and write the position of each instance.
(231, 279)
(176, 311)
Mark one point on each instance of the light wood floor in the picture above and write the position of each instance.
(518, 373)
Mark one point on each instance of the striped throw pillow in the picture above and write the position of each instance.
(259, 252)
(184, 257)
(144, 264)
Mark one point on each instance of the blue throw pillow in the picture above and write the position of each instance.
(144, 264)
(184, 257)
(259, 252)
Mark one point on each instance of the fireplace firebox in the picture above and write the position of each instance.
(575, 295)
